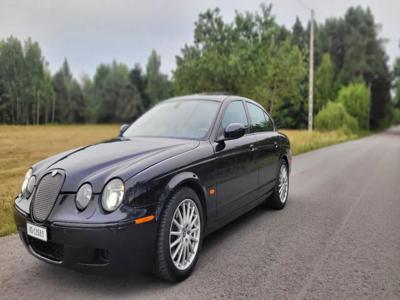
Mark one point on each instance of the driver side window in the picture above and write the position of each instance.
(234, 113)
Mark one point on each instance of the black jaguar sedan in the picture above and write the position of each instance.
(148, 197)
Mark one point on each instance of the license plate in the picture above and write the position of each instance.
(37, 231)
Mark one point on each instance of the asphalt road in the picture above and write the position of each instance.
(337, 238)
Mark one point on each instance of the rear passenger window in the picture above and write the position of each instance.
(234, 113)
(259, 120)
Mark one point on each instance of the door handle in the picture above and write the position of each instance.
(252, 148)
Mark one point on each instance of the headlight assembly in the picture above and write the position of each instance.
(28, 184)
(83, 196)
(113, 194)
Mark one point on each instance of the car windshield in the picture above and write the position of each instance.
(190, 119)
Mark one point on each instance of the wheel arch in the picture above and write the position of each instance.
(285, 158)
(185, 179)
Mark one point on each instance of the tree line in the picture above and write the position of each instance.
(30, 94)
(252, 56)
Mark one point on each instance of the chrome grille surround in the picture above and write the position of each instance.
(46, 194)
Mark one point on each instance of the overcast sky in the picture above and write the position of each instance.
(90, 32)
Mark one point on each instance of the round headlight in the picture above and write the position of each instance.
(112, 195)
(83, 196)
(28, 184)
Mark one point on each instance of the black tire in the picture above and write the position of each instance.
(274, 201)
(164, 267)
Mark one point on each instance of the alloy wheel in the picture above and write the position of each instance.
(184, 234)
(283, 184)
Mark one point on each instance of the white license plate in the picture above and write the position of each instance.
(37, 231)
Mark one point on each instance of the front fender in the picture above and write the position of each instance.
(183, 179)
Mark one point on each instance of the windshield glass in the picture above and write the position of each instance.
(189, 119)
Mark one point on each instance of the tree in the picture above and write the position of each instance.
(24, 82)
(46, 97)
(358, 52)
(12, 78)
(36, 84)
(60, 101)
(397, 95)
(138, 79)
(117, 99)
(252, 56)
(300, 37)
(157, 85)
(88, 95)
(396, 80)
(356, 99)
(324, 83)
(69, 104)
(277, 82)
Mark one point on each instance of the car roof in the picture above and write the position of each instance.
(214, 97)
(220, 97)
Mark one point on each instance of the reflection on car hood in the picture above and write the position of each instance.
(121, 158)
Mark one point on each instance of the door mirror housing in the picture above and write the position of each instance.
(123, 128)
(234, 131)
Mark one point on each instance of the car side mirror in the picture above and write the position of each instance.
(234, 131)
(123, 128)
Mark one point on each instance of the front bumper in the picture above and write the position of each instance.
(83, 247)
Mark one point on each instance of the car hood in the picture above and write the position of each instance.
(120, 157)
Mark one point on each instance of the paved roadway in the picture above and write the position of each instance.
(338, 238)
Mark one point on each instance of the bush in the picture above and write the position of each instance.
(396, 116)
(334, 116)
(392, 117)
(356, 100)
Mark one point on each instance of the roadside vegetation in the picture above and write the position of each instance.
(301, 141)
(22, 146)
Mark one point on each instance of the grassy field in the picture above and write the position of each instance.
(22, 146)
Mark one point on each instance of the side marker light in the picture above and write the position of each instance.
(144, 219)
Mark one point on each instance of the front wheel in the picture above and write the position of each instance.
(280, 193)
(180, 236)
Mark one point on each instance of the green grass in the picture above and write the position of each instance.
(301, 141)
(22, 146)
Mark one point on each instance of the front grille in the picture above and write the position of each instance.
(46, 195)
(49, 250)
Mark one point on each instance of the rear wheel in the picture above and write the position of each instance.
(180, 236)
(280, 193)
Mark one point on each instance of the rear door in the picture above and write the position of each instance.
(266, 154)
(237, 173)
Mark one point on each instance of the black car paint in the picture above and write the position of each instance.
(243, 172)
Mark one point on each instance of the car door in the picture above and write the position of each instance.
(266, 154)
(237, 173)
